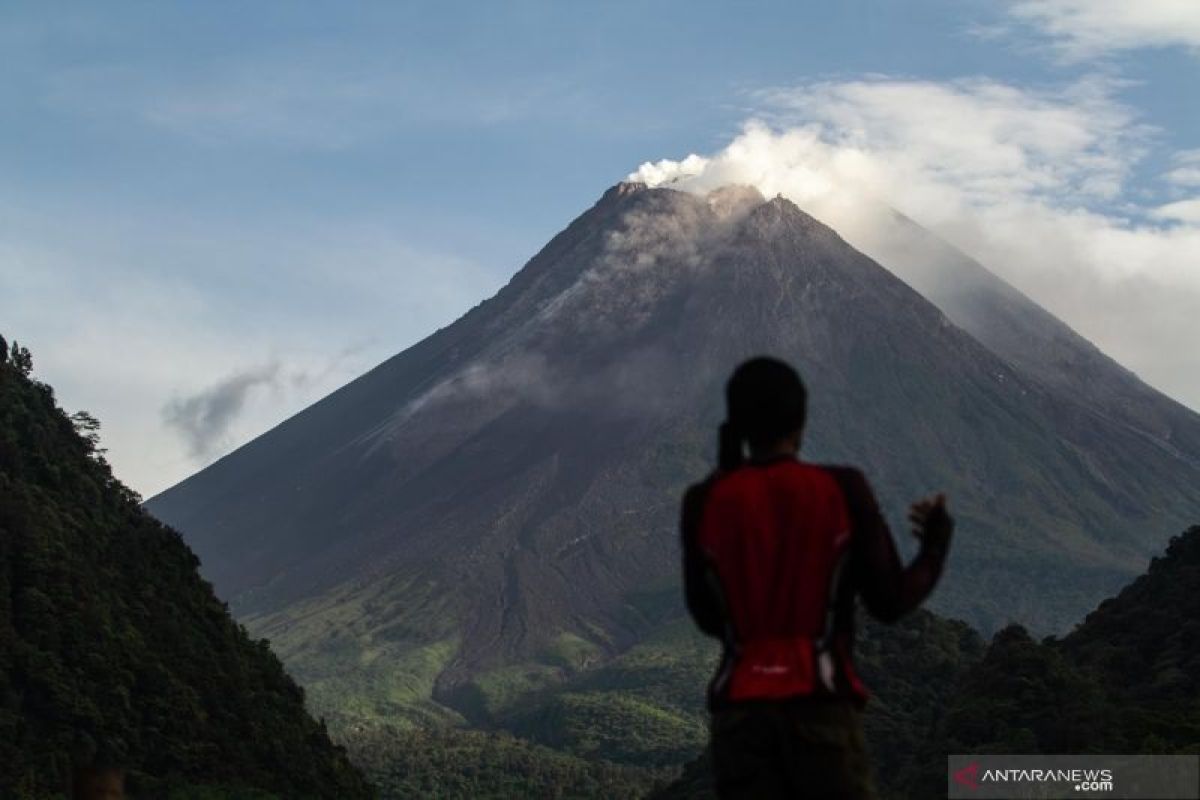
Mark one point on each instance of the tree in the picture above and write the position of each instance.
(88, 428)
(21, 358)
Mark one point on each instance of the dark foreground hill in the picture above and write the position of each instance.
(1126, 680)
(113, 650)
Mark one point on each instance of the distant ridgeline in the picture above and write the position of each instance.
(1126, 680)
(113, 651)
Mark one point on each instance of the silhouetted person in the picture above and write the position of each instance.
(775, 551)
(98, 783)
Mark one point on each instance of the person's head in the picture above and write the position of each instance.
(98, 783)
(765, 407)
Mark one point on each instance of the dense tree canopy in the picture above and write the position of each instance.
(113, 650)
(1126, 680)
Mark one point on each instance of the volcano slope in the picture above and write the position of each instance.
(1019, 330)
(492, 512)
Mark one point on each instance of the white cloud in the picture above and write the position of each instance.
(1186, 172)
(129, 322)
(668, 171)
(963, 143)
(1086, 28)
(1026, 181)
(1180, 211)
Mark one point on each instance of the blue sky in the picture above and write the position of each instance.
(213, 214)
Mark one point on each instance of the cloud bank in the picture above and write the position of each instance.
(1033, 183)
(1086, 28)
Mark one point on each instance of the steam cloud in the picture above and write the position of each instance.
(205, 418)
(1035, 184)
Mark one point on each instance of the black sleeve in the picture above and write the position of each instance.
(889, 590)
(699, 588)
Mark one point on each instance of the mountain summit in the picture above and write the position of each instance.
(505, 491)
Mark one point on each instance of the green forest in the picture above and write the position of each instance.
(1125, 680)
(113, 650)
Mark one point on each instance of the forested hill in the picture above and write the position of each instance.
(1145, 642)
(1126, 680)
(113, 651)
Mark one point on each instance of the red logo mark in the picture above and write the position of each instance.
(968, 776)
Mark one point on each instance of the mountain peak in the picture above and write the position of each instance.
(779, 213)
(734, 199)
(785, 206)
(624, 189)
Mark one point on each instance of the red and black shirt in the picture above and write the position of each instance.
(775, 553)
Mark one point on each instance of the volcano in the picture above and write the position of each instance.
(499, 501)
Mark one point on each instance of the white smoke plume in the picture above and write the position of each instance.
(1037, 185)
(204, 418)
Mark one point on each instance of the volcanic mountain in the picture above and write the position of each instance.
(499, 501)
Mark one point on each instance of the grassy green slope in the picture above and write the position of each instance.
(454, 764)
(356, 670)
(644, 707)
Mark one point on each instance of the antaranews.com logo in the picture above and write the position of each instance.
(1085, 780)
(1139, 777)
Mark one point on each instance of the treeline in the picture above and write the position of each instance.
(1126, 680)
(113, 650)
(462, 764)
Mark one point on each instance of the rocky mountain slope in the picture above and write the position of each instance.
(492, 511)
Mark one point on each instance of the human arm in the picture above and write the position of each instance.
(888, 588)
(699, 588)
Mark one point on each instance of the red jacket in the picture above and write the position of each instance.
(774, 554)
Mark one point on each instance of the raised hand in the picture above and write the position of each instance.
(931, 522)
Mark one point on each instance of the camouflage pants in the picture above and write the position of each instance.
(798, 750)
